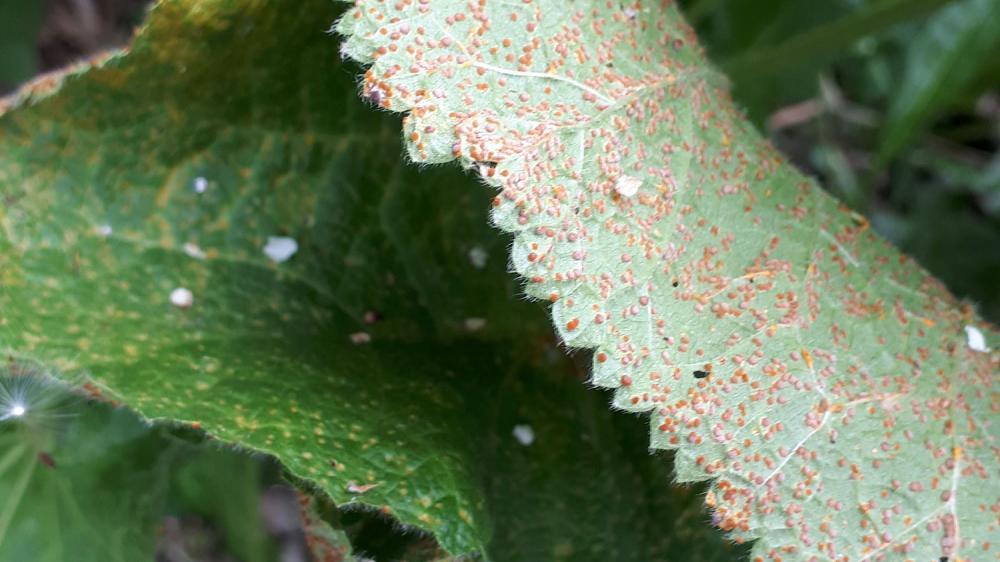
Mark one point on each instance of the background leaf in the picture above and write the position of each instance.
(943, 63)
(20, 21)
(83, 481)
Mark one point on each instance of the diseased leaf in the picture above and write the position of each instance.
(948, 54)
(820, 379)
(212, 229)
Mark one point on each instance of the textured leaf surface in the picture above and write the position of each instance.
(387, 361)
(84, 482)
(823, 381)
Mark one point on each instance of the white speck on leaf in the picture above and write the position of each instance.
(280, 248)
(194, 251)
(475, 324)
(181, 298)
(359, 488)
(359, 338)
(977, 342)
(628, 186)
(478, 257)
(200, 185)
(104, 230)
(524, 434)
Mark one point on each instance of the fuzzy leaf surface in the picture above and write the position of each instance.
(822, 381)
(386, 361)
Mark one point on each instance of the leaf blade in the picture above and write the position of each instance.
(721, 290)
(166, 168)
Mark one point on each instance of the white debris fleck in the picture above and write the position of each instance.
(628, 186)
(280, 248)
(977, 342)
(478, 257)
(104, 230)
(524, 434)
(359, 338)
(475, 324)
(359, 488)
(194, 251)
(181, 298)
(200, 185)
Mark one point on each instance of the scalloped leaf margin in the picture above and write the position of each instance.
(844, 404)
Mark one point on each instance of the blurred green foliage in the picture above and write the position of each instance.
(83, 481)
(20, 21)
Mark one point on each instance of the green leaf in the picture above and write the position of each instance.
(82, 481)
(20, 21)
(774, 52)
(872, 18)
(839, 399)
(387, 362)
(945, 58)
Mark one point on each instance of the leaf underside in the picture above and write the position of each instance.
(822, 381)
(387, 362)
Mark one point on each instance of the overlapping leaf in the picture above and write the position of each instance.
(844, 405)
(387, 361)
